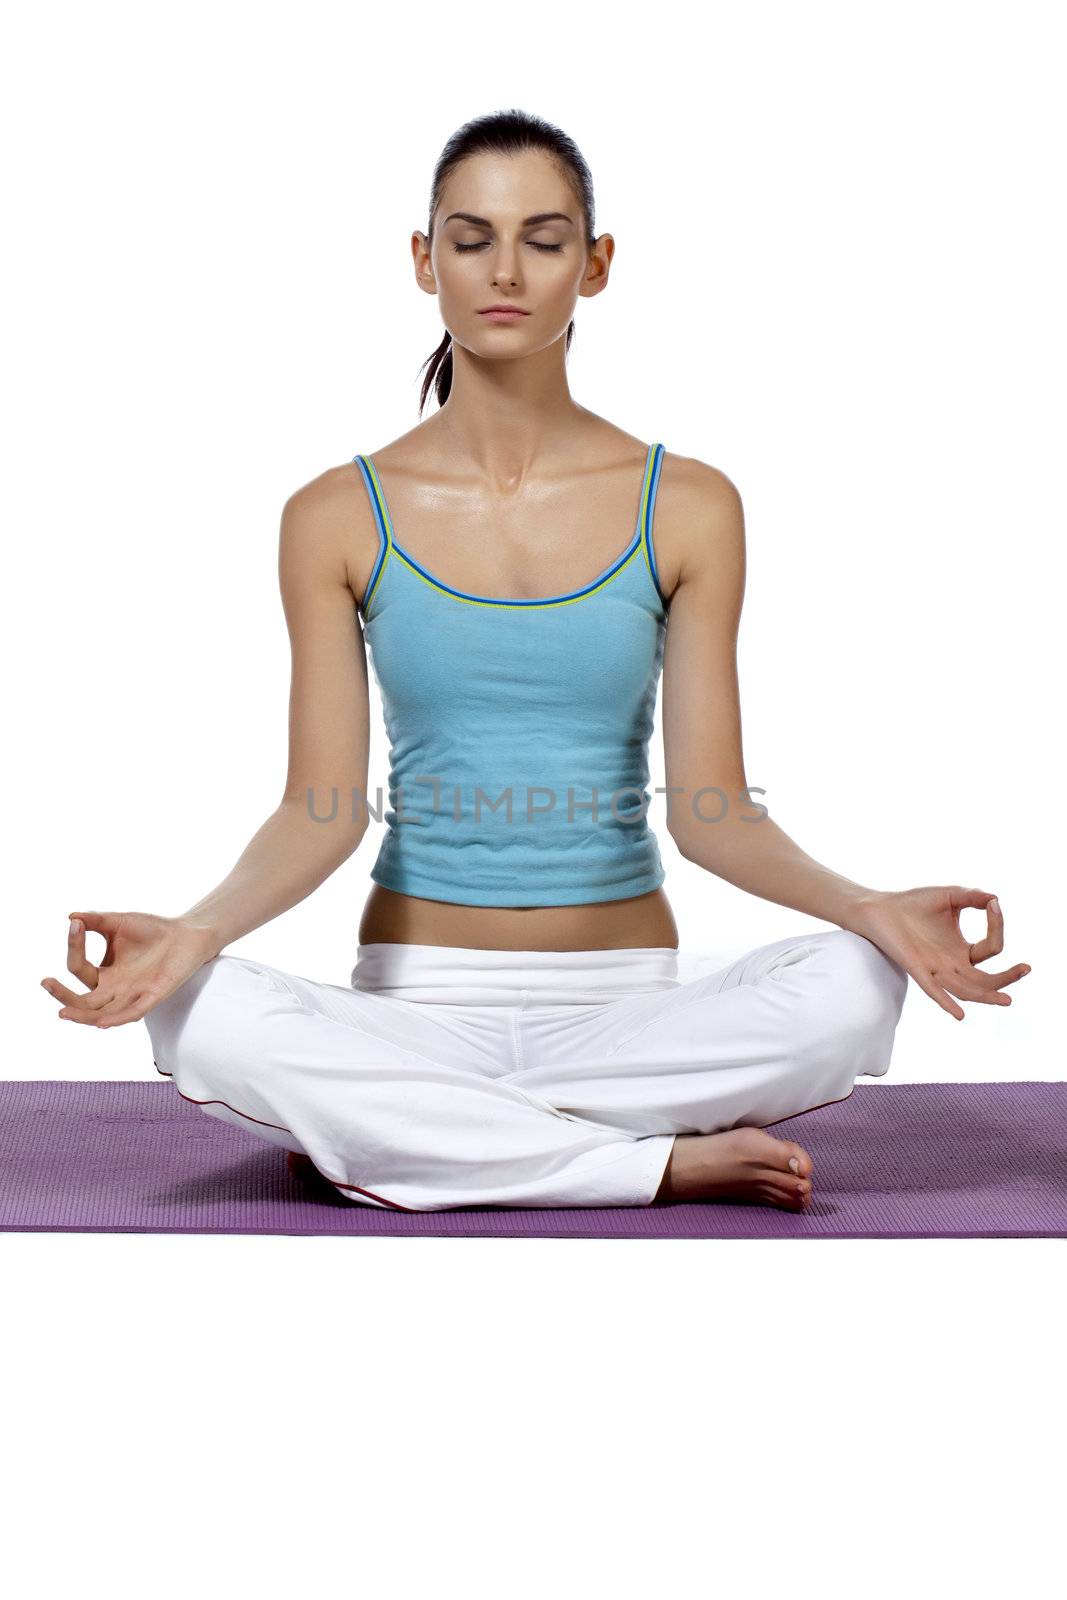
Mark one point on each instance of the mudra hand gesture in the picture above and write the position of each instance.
(920, 929)
(146, 959)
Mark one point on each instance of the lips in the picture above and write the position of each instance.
(503, 313)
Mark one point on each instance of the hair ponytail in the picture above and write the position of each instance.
(439, 373)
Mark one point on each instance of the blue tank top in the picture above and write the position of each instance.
(518, 729)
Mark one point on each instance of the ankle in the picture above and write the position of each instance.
(667, 1191)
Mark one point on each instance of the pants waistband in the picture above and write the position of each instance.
(456, 974)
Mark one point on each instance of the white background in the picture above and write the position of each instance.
(838, 277)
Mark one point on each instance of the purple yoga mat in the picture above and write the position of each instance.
(893, 1161)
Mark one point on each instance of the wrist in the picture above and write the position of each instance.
(205, 935)
(862, 908)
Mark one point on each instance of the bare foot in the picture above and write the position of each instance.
(741, 1164)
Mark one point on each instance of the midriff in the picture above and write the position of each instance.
(642, 922)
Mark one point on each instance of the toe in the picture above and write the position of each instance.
(796, 1186)
(779, 1195)
(797, 1159)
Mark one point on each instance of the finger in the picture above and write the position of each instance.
(95, 1007)
(59, 991)
(79, 1014)
(86, 1005)
(138, 1007)
(995, 980)
(960, 898)
(77, 961)
(970, 984)
(930, 986)
(95, 1001)
(105, 922)
(965, 981)
(965, 990)
(993, 943)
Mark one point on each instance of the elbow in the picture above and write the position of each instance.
(351, 837)
(683, 841)
(700, 843)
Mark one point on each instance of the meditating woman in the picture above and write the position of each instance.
(519, 571)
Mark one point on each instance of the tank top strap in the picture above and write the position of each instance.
(382, 522)
(648, 506)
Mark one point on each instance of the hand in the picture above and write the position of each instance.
(147, 958)
(920, 929)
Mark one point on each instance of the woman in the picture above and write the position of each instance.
(515, 1032)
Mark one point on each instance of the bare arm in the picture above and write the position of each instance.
(329, 718)
(149, 957)
(917, 928)
(702, 723)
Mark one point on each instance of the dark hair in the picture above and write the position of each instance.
(507, 133)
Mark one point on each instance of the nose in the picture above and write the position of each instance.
(503, 264)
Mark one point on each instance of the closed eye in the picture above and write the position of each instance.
(482, 243)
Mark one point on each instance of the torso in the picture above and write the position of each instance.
(646, 920)
(550, 539)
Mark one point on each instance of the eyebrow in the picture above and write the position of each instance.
(527, 222)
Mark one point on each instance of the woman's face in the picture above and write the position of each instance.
(490, 249)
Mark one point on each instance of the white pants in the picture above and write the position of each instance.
(452, 1077)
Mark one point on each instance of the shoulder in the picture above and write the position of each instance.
(329, 498)
(699, 520)
(329, 523)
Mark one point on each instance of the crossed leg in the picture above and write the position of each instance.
(784, 1029)
(395, 1108)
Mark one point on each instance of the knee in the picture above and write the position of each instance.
(845, 1023)
(851, 1009)
(192, 1025)
(869, 987)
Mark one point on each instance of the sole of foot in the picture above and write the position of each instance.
(745, 1166)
